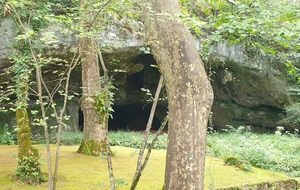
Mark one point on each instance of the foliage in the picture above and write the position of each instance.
(106, 94)
(149, 95)
(134, 139)
(270, 28)
(292, 114)
(267, 151)
(6, 136)
(69, 138)
(120, 182)
(28, 169)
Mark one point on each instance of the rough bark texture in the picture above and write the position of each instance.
(189, 94)
(23, 133)
(28, 169)
(94, 133)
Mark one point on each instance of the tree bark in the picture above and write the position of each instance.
(189, 94)
(27, 155)
(23, 134)
(23, 127)
(94, 132)
(140, 166)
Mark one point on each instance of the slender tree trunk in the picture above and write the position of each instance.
(23, 134)
(140, 166)
(94, 132)
(107, 104)
(44, 118)
(189, 93)
(23, 128)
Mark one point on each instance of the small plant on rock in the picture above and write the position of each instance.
(237, 162)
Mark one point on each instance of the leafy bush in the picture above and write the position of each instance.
(29, 169)
(292, 114)
(6, 137)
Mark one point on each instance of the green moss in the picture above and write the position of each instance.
(28, 169)
(237, 162)
(23, 133)
(284, 184)
(92, 147)
(82, 172)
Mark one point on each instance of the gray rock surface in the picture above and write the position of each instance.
(248, 90)
(8, 32)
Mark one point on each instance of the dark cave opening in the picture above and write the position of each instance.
(135, 81)
(132, 117)
(80, 120)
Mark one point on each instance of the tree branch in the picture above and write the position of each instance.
(141, 166)
(108, 150)
(98, 14)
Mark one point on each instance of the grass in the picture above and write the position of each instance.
(133, 139)
(280, 153)
(81, 172)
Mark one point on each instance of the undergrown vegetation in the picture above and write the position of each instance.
(279, 151)
(237, 146)
(6, 136)
(29, 169)
(133, 139)
(69, 138)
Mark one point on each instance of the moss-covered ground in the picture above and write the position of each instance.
(80, 172)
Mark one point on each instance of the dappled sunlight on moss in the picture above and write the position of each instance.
(79, 172)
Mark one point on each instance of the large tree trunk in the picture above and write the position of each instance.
(189, 93)
(94, 132)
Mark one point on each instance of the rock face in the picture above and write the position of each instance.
(8, 32)
(248, 90)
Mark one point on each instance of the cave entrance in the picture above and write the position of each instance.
(134, 117)
(80, 120)
(135, 81)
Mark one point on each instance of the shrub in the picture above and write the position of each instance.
(29, 170)
(6, 137)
